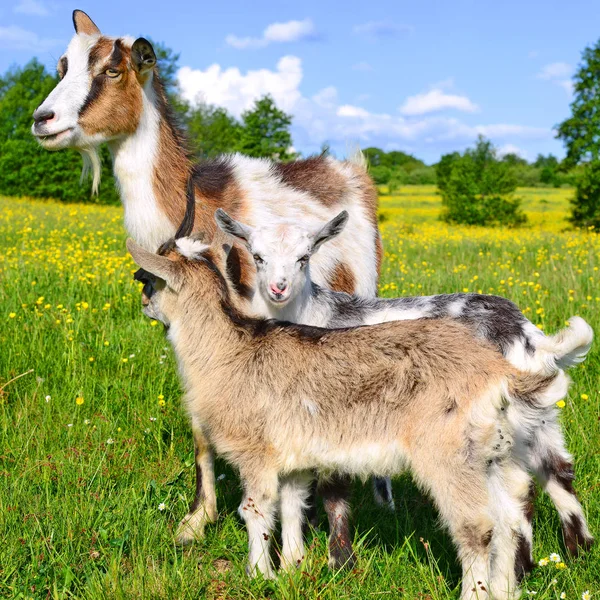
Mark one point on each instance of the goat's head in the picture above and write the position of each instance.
(99, 95)
(281, 252)
(186, 268)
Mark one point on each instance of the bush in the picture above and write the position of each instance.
(585, 206)
(421, 176)
(381, 175)
(477, 188)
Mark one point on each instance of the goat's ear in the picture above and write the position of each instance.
(231, 226)
(330, 230)
(159, 266)
(83, 24)
(143, 57)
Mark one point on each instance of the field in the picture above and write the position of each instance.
(96, 456)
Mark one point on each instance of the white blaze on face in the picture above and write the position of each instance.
(67, 98)
(281, 254)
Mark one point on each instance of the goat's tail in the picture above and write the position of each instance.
(537, 390)
(570, 345)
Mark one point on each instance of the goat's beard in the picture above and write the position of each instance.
(91, 165)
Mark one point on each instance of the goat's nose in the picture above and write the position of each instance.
(280, 286)
(41, 116)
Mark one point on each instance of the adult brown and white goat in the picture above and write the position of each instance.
(280, 400)
(110, 91)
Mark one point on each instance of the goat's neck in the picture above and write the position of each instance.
(206, 341)
(151, 168)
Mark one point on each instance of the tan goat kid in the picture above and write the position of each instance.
(280, 400)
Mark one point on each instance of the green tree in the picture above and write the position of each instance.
(26, 169)
(212, 131)
(581, 136)
(585, 211)
(477, 188)
(167, 62)
(581, 131)
(266, 131)
(374, 156)
(514, 160)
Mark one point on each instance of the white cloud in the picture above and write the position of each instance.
(558, 73)
(32, 7)
(511, 149)
(557, 70)
(236, 91)
(327, 97)
(347, 110)
(567, 85)
(323, 117)
(363, 65)
(435, 100)
(17, 38)
(291, 31)
(380, 29)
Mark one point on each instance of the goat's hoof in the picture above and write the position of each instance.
(188, 532)
(576, 545)
(342, 558)
(254, 571)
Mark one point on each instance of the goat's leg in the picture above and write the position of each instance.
(258, 510)
(293, 493)
(312, 516)
(461, 494)
(382, 492)
(509, 491)
(552, 465)
(335, 492)
(204, 507)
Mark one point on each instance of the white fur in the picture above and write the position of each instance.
(191, 248)
(134, 160)
(293, 494)
(269, 201)
(67, 98)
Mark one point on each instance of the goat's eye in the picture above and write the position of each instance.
(112, 73)
(303, 259)
(258, 259)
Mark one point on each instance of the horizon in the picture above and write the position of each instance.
(347, 79)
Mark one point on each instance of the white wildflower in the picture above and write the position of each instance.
(555, 557)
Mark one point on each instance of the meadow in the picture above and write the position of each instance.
(96, 458)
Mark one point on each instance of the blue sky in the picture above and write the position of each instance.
(423, 77)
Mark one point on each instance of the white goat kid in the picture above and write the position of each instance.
(282, 255)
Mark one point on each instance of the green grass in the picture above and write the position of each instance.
(82, 483)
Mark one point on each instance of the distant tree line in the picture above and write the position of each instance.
(477, 186)
(396, 168)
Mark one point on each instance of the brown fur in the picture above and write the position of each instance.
(342, 279)
(83, 24)
(314, 176)
(114, 105)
